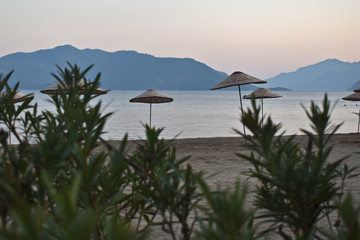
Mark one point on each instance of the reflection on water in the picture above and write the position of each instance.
(210, 113)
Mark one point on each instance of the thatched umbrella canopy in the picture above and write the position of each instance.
(238, 79)
(262, 93)
(151, 96)
(19, 97)
(357, 90)
(354, 97)
(54, 89)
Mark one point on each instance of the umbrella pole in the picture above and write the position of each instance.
(150, 114)
(262, 112)
(242, 113)
(359, 120)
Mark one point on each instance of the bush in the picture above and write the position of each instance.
(64, 181)
(296, 188)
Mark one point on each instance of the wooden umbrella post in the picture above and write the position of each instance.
(236, 79)
(150, 113)
(355, 97)
(262, 112)
(359, 120)
(151, 96)
(242, 113)
(262, 93)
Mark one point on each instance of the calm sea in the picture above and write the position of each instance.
(195, 114)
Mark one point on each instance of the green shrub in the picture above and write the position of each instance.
(350, 218)
(296, 189)
(227, 216)
(61, 187)
(64, 181)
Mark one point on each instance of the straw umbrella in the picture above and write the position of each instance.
(151, 96)
(54, 89)
(354, 97)
(238, 79)
(262, 93)
(18, 97)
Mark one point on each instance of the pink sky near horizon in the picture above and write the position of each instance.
(259, 37)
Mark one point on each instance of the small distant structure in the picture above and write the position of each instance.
(238, 79)
(19, 97)
(151, 96)
(54, 89)
(262, 93)
(354, 97)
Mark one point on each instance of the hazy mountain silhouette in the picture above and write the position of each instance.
(125, 70)
(328, 75)
(356, 85)
(130, 70)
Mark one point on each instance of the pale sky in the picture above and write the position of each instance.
(260, 37)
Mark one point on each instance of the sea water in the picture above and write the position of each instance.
(195, 114)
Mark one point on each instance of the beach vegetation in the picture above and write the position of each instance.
(228, 216)
(298, 188)
(62, 180)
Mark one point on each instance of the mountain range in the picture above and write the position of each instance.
(125, 70)
(130, 70)
(329, 75)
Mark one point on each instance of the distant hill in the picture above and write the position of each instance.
(328, 75)
(356, 85)
(124, 70)
(280, 89)
(130, 70)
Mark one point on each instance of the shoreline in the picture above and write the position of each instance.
(216, 157)
(230, 137)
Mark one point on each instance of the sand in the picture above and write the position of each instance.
(216, 158)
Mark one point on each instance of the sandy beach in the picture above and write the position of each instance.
(216, 157)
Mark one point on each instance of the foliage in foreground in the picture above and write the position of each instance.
(297, 189)
(64, 181)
